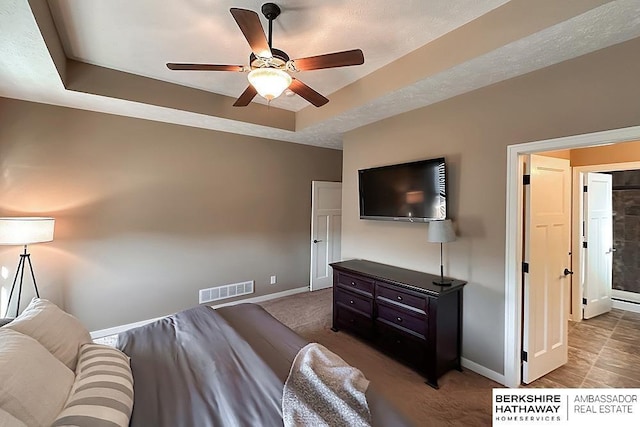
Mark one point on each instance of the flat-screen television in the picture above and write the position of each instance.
(414, 192)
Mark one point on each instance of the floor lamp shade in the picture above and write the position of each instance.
(441, 232)
(24, 231)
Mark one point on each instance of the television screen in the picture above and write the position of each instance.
(413, 191)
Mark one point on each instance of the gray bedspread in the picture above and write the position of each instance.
(225, 367)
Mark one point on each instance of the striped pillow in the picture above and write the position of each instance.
(102, 394)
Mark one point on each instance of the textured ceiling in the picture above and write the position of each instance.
(416, 53)
(140, 36)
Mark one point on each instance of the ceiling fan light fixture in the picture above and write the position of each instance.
(269, 82)
(269, 67)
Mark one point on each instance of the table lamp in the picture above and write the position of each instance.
(441, 232)
(24, 231)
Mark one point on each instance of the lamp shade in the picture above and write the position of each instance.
(26, 230)
(269, 82)
(441, 232)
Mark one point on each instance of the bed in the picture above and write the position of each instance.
(233, 366)
(224, 367)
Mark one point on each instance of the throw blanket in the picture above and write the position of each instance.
(323, 390)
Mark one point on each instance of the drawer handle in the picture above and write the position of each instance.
(399, 298)
(353, 283)
(350, 301)
(399, 319)
(351, 320)
(398, 342)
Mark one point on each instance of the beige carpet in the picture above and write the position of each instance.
(464, 398)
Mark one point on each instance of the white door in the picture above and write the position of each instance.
(326, 223)
(547, 249)
(598, 234)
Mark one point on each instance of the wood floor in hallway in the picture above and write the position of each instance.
(603, 352)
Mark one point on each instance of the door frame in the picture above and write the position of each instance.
(578, 216)
(514, 230)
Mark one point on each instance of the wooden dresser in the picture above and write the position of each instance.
(401, 312)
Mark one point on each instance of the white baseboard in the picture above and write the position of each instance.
(628, 306)
(485, 372)
(264, 298)
(117, 329)
(101, 333)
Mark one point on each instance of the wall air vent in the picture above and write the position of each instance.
(225, 291)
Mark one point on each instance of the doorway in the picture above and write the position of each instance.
(514, 232)
(626, 200)
(620, 300)
(596, 346)
(326, 225)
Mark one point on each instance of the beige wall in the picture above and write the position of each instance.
(148, 213)
(591, 93)
(618, 153)
(607, 154)
(558, 154)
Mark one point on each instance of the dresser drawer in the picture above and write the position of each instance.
(353, 321)
(354, 301)
(359, 284)
(399, 296)
(403, 346)
(402, 319)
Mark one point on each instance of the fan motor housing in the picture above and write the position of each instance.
(279, 59)
(270, 11)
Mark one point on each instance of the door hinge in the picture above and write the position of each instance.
(584, 245)
(525, 267)
(524, 356)
(526, 179)
(584, 301)
(584, 189)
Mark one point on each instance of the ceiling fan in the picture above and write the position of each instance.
(269, 68)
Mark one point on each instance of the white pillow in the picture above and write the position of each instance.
(6, 419)
(34, 385)
(59, 332)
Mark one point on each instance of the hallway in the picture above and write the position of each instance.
(603, 352)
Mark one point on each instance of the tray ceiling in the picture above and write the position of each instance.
(99, 55)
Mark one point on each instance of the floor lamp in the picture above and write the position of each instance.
(441, 232)
(24, 231)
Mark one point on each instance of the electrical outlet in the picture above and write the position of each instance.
(273, 280)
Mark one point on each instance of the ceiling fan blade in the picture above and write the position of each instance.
(246, 97)
(330, 60)
(307, 93)
(249, 23)
(204, 67)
